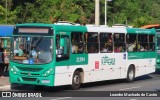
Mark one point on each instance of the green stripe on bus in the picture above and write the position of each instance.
(141, 55)
(140, 31)
(75, 59)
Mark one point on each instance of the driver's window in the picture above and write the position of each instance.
(62, 47)
(20, 47)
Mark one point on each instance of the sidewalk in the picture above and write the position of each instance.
(4, 82)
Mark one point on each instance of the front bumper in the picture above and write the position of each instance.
(32, 80)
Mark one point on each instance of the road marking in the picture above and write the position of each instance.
(61, 98)
(133, 99)
(130, 88)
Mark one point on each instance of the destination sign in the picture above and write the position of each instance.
(33, 30)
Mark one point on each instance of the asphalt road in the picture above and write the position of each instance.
(88, 91)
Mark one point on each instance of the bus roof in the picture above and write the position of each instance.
(6, 30)
(70, 28)
(157, 26)
(34, 24)
(141, 30)
(91, 28)
(105, 29)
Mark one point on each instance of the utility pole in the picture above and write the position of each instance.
(97, 12)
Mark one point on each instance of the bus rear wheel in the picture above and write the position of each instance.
(131, 74)
(76, 80)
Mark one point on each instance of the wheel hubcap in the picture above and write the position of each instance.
(131, 75)
(76, 79)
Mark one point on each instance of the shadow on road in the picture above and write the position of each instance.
(144, 77)
(26, 87)
(118, 81)
(157, 72)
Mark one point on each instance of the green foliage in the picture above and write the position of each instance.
(132, 12)
(7, 15)
(138, 22)
(2, 12)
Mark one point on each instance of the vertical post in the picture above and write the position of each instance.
(126, 22)
(105, 12)
(106, 2)
(97, 12)
(113, 22)
(6, 11)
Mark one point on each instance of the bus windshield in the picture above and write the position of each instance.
(32, 50)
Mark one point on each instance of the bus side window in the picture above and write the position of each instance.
(91, 42)
(106, 44)
(119, 42)
(77, 42)
(151, 43)
(143, 42)
(131, 42)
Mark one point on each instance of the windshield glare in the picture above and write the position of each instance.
(32, 50)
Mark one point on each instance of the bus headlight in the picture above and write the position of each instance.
(48, 72)
(158, 60)
(13, 70)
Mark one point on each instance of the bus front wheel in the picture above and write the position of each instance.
(130, 74)
(76, 80)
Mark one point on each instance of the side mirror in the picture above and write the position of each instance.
(60, 50)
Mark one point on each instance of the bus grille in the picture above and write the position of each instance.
(32, 74)
(30, 69)
(29, 79)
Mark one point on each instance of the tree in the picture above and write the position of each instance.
(8, 16)
(2, 14)
(34, 11)
(134, 12)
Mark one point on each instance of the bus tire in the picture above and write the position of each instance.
(76, 80)
(131, 74)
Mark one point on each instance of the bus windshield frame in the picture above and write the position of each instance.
(32, 49)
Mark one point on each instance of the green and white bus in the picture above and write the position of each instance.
(55, 55)
(157, 28)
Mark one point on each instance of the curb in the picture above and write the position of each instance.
(10, 87)
(5, 87)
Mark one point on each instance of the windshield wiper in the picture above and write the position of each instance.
(37, 41)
